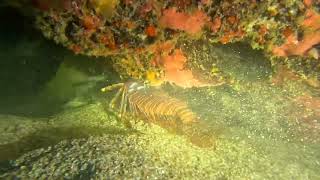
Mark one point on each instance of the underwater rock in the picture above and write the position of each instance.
(260, 134)
(120, 28)
(13, 128)
(261, 23)
(262, 130)
(105, 7)
(155, 154)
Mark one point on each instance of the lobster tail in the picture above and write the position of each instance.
(199, 134)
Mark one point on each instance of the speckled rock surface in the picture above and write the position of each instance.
(153, 153)
(13, 128)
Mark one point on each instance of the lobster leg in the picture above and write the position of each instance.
(123, 108)
(122, 102)
(116, 97)
(133, 109)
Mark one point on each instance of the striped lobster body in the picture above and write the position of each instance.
(155, 106)
(158, 106)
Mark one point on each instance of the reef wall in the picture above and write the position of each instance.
(145, 33)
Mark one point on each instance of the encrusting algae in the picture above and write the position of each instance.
(105, 8)
(111, 27)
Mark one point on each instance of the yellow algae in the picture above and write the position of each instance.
(154, 78)
(105, 7)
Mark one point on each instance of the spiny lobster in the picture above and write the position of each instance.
(156, 106)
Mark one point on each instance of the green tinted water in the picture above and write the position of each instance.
(57, 126)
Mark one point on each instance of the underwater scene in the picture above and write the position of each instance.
(146, 89)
